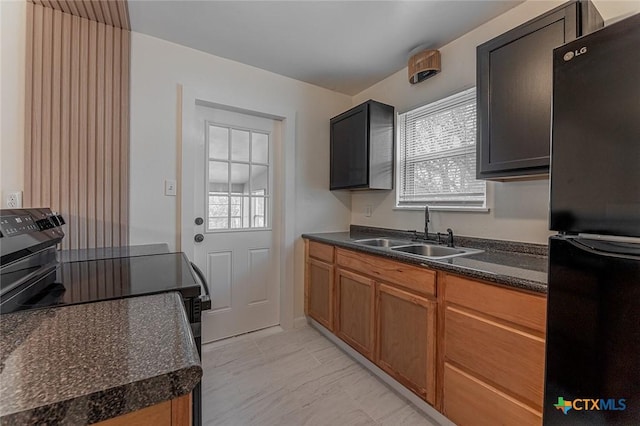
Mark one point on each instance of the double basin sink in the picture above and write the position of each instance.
(423, 250)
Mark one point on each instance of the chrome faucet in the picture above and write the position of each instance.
(426, 222)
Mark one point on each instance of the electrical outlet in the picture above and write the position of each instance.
(368, 210)
(14, 200)
(170, 187)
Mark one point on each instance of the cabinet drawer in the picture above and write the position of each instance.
(321, 251)
(419, 280)
(469, 401)
(525, 309)
(509, 358)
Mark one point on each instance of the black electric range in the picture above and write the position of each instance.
(32, 275)
(112, 278)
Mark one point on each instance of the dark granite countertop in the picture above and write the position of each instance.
(82, 364)
(518, 265)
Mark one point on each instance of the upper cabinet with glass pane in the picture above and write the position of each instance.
(362, 148)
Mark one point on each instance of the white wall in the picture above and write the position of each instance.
(614, 10)
(13, 22)
(157, 67)
(518, 210)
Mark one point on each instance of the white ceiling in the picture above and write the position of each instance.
(345, 46)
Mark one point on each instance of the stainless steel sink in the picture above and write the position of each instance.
(434, 251)
(382, 242)
(423, 250)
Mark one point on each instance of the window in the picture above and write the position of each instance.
(437, 155)
(238, 178)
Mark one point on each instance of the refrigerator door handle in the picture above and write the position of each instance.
(607, 248)
(610, 238)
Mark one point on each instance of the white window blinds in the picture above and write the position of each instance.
(437, 153)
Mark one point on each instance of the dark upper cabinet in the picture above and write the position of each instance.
(362, 147)
(514, 86)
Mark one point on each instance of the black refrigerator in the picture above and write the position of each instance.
(593, 309)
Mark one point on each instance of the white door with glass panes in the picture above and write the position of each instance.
(234, 195)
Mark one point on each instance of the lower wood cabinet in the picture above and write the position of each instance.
(493, 353)
(406, 339)
(387, 311)
(175, 412)
(355, 301)
(319, 282)
(319, 295)
(472, 349)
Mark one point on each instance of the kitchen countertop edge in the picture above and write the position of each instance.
(108, 405)
(163, 382)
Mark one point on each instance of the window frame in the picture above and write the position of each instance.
(436, 106)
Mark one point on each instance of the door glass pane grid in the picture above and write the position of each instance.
(218, 143)
(240, 146)
(238, 182)
(260, 148)
(218, 211)
(258, 208)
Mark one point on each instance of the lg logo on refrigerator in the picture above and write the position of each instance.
(570, 55)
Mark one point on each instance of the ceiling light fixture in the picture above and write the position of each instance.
(423, 65)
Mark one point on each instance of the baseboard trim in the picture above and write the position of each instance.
(432, 413)
(300, 322)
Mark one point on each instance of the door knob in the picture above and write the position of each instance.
(199, 221)
(199, 238)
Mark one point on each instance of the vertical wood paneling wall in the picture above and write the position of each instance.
(111, 12)
(77, 124)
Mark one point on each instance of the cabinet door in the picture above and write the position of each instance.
(514, 96)
(354, 304)
(350, 149)
(405, 334)
(320, 292)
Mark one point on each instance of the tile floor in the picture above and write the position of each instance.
(297, 377)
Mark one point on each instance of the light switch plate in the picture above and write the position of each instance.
(170, 187)
(368, 210)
